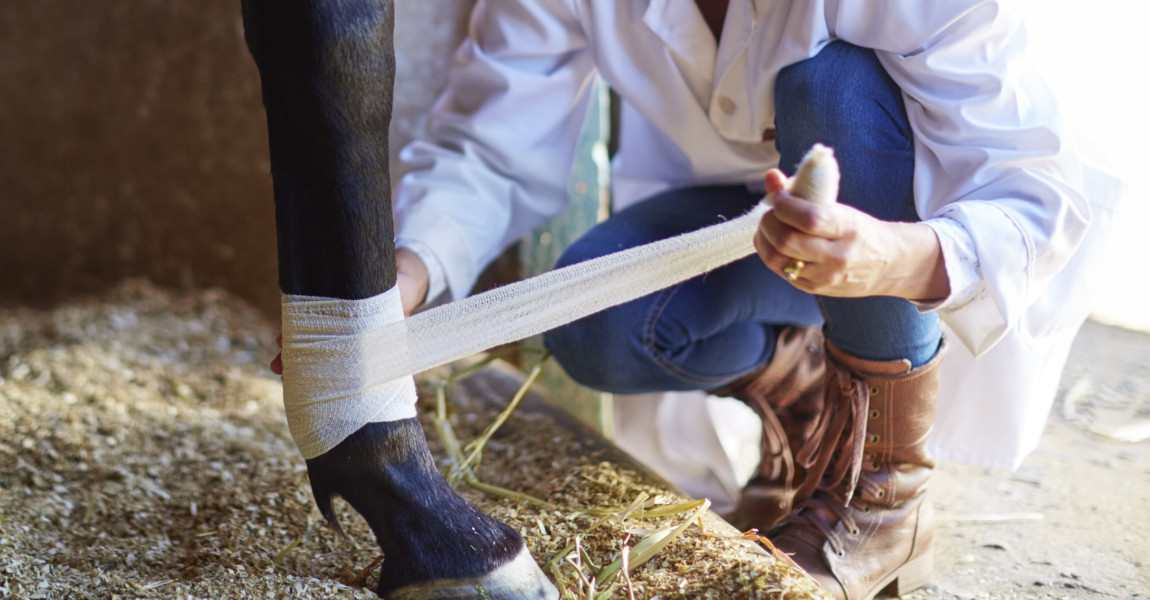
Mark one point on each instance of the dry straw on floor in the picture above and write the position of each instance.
(144, 454)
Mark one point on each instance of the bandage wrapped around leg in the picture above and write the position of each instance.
(331, 381)
(350, 362)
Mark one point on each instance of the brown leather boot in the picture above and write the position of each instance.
(863, 521)
(787, 394)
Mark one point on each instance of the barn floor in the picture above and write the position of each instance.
(144, 454)
(1074, 521)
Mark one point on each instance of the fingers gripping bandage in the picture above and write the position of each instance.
(350, 362)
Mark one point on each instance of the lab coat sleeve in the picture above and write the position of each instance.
(991, 153)
(961, 262)
(494, 159)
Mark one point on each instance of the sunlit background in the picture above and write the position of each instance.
(1094, 54)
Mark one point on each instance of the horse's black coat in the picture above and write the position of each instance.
(327, 68)
(426, 531)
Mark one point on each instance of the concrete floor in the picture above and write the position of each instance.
(1073, 521)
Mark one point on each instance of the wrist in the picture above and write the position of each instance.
(925, 279)
(412, 278)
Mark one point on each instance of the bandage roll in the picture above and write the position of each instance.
(817, 179)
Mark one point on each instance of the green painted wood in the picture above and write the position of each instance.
(589, 192)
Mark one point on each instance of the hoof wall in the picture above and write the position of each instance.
(520, 579)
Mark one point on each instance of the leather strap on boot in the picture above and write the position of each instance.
(787, 395)
(862, 521)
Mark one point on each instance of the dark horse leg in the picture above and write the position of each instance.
(326, 68)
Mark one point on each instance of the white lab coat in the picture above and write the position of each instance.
(997, 173)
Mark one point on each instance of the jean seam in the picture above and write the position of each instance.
(669, 367)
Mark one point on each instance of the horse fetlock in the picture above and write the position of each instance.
(435, 543)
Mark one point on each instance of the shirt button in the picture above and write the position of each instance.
(769, 134)
(726, 104)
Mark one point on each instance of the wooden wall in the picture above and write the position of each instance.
(133, 143)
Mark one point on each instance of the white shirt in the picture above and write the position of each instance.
(996, 176)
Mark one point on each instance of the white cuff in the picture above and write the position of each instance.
(961, 261)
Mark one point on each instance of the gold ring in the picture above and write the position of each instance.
(793, 268)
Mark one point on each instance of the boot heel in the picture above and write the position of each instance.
(914, 574)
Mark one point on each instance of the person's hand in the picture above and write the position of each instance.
(412, 279)
(847, 253)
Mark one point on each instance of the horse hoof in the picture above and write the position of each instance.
(519, 579)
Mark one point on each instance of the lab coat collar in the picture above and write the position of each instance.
(737, 28)
(680, 25)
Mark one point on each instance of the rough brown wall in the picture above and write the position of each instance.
(133, 143)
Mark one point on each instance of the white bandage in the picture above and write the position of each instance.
(330, 387)
(817, 179)
(350, 362)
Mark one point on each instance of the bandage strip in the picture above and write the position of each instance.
(349, 363)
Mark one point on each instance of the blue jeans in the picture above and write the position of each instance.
(711, 330)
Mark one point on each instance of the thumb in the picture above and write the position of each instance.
(775, 180)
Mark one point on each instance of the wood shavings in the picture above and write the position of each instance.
(144, 454)
(548, 455)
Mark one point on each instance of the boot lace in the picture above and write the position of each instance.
(816, 514)
(777, 451)
(834, 453)
(833, 457)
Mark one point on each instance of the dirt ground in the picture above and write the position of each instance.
(1074, 520)
(143, 454)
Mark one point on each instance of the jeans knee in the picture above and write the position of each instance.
(828, 82)
(595, 351)
(838, 96)
(579, 250)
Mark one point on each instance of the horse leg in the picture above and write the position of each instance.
(326, 70)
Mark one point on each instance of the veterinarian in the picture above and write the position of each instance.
(961, 210)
